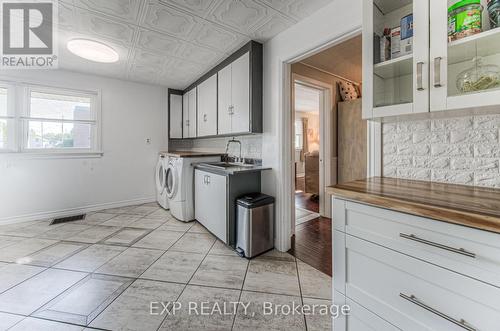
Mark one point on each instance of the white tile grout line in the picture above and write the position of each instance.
(300, 291)
(239, 297)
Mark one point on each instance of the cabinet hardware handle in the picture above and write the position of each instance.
(420, 80)
(204, 117)
(187, 122)
(437, 72)
(441, 246)
(231, 110)
(208, 179)
(461, 323)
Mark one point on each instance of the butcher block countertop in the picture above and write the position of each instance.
(190, 154)
(470, 206)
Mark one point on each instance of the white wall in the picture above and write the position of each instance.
(131, 112)
(329, 23)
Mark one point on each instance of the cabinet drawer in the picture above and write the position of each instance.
(468, 251)
(415, 295)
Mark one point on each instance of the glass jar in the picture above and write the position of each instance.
(494, 13)
(478, 78)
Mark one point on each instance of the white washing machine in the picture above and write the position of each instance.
(161, 181)
(180, 185)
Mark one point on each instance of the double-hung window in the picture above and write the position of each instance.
(47, 120)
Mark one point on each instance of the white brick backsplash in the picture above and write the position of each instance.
(452, 150)
(418, 150)
(461, 150)
(431, 162)
(456, 177)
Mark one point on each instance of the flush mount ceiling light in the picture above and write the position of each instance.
(93, 50)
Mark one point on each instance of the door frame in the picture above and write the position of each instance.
(326, 178)
(286, 211)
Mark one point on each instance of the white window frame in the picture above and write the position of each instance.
(11, 115)
(19, 102)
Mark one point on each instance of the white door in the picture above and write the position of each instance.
(192, 113)
(207, 107)
(211, 202)
(451, 56)
(240, 83)
(398, 84)
(185, 115)
(224, 100)
(175, 116)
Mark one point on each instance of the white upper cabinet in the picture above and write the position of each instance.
(207, 107)
(189, 114)
(175, 120)
(465, 66)
(224, 100)
(234, 97)
(395, 57)
(416, 57)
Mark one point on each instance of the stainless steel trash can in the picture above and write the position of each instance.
(254, 224)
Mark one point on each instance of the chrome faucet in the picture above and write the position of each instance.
(237, 142)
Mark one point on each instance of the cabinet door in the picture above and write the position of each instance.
(397, 75)
(175, 122)
(224, 100)
(207, 107)
(185, 115)
(211, 202)
(192, 113)
(240, 87)
(453, 53)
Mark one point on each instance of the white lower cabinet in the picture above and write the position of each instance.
(210, 196)
(407, 284)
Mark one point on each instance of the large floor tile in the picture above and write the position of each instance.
(30, 295)
(85, 300)
(318, 321)
(219, 248)
(13, 274)
(147, 223)
(64, 231)
(51, 255)
(131, 310)
(161, 214)
(143, 210)
(9, 240)
(196, 295)
(91, 258)
(24, 248)
(159, 239)
(121, 220)
(195, 243)
(277, 255)
(94, 234)
(118, 210)
(272, 276)
(314, 283)
(221, 271)
(28, 229)
(9, 320)
(256, 319)
(131, 263)
(126, 236)
(97, 218)
(32, 324)
(198, 228)
(175, 225)
(174, 266)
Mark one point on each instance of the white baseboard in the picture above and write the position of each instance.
(73, 211)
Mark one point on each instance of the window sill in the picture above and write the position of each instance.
(51, 155)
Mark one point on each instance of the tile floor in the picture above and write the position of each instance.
(105, 271)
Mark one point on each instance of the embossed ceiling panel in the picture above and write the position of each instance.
(172, 42)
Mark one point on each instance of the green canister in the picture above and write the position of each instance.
(464, 19)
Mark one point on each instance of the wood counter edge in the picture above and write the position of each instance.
(469, 219)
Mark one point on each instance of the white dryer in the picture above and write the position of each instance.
(161, 181)
(180, 185)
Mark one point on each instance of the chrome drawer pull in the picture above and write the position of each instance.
(461, 323)
(420, 82)
(441, 246)
(437, 72)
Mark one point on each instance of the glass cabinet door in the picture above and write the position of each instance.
(465, 54)
(395, 41)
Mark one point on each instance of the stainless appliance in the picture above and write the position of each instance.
(254, 224)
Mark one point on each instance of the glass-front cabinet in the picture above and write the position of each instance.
(430, 55)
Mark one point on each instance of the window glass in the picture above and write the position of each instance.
(54, 135)
(3, 133)
(3, 101)
(57, 106)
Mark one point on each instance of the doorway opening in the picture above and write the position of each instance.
(329, 141)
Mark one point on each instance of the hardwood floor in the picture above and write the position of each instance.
(305, 201)
(313, 244)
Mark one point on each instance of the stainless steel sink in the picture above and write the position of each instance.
(225, 165)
